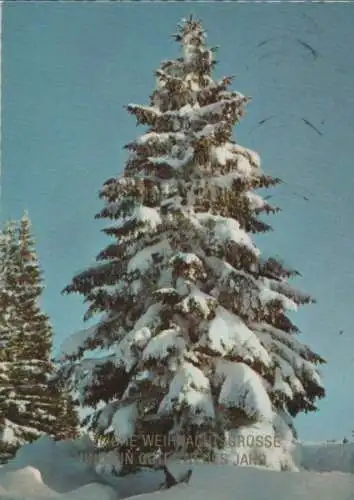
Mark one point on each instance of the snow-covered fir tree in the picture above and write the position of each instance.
(194, 325)
(8, 276)
(31, 405)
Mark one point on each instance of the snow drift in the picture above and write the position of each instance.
(47, 470)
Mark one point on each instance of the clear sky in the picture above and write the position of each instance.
(70, 67)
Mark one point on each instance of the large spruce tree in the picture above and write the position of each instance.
(194, 327)
(31, 405)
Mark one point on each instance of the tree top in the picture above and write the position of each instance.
(189, 30)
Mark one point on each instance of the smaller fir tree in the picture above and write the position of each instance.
(32, 406)
(8, 276)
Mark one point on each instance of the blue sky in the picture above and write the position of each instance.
(70, 67)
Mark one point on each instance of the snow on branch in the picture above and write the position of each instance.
(229, 336)
(76, 342)
(189, 388)
(243, 388)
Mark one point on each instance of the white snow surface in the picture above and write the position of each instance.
(243, 388)
(149, 216)
(160, 346)
(46, 470)
(143, 259)
(228, 333)
(191, 387)
(227, 230)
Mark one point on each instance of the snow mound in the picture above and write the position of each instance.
(46, 470)
(224, 482)
(49, 467)
(27, 482)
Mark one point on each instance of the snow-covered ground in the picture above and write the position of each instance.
(47, 470)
